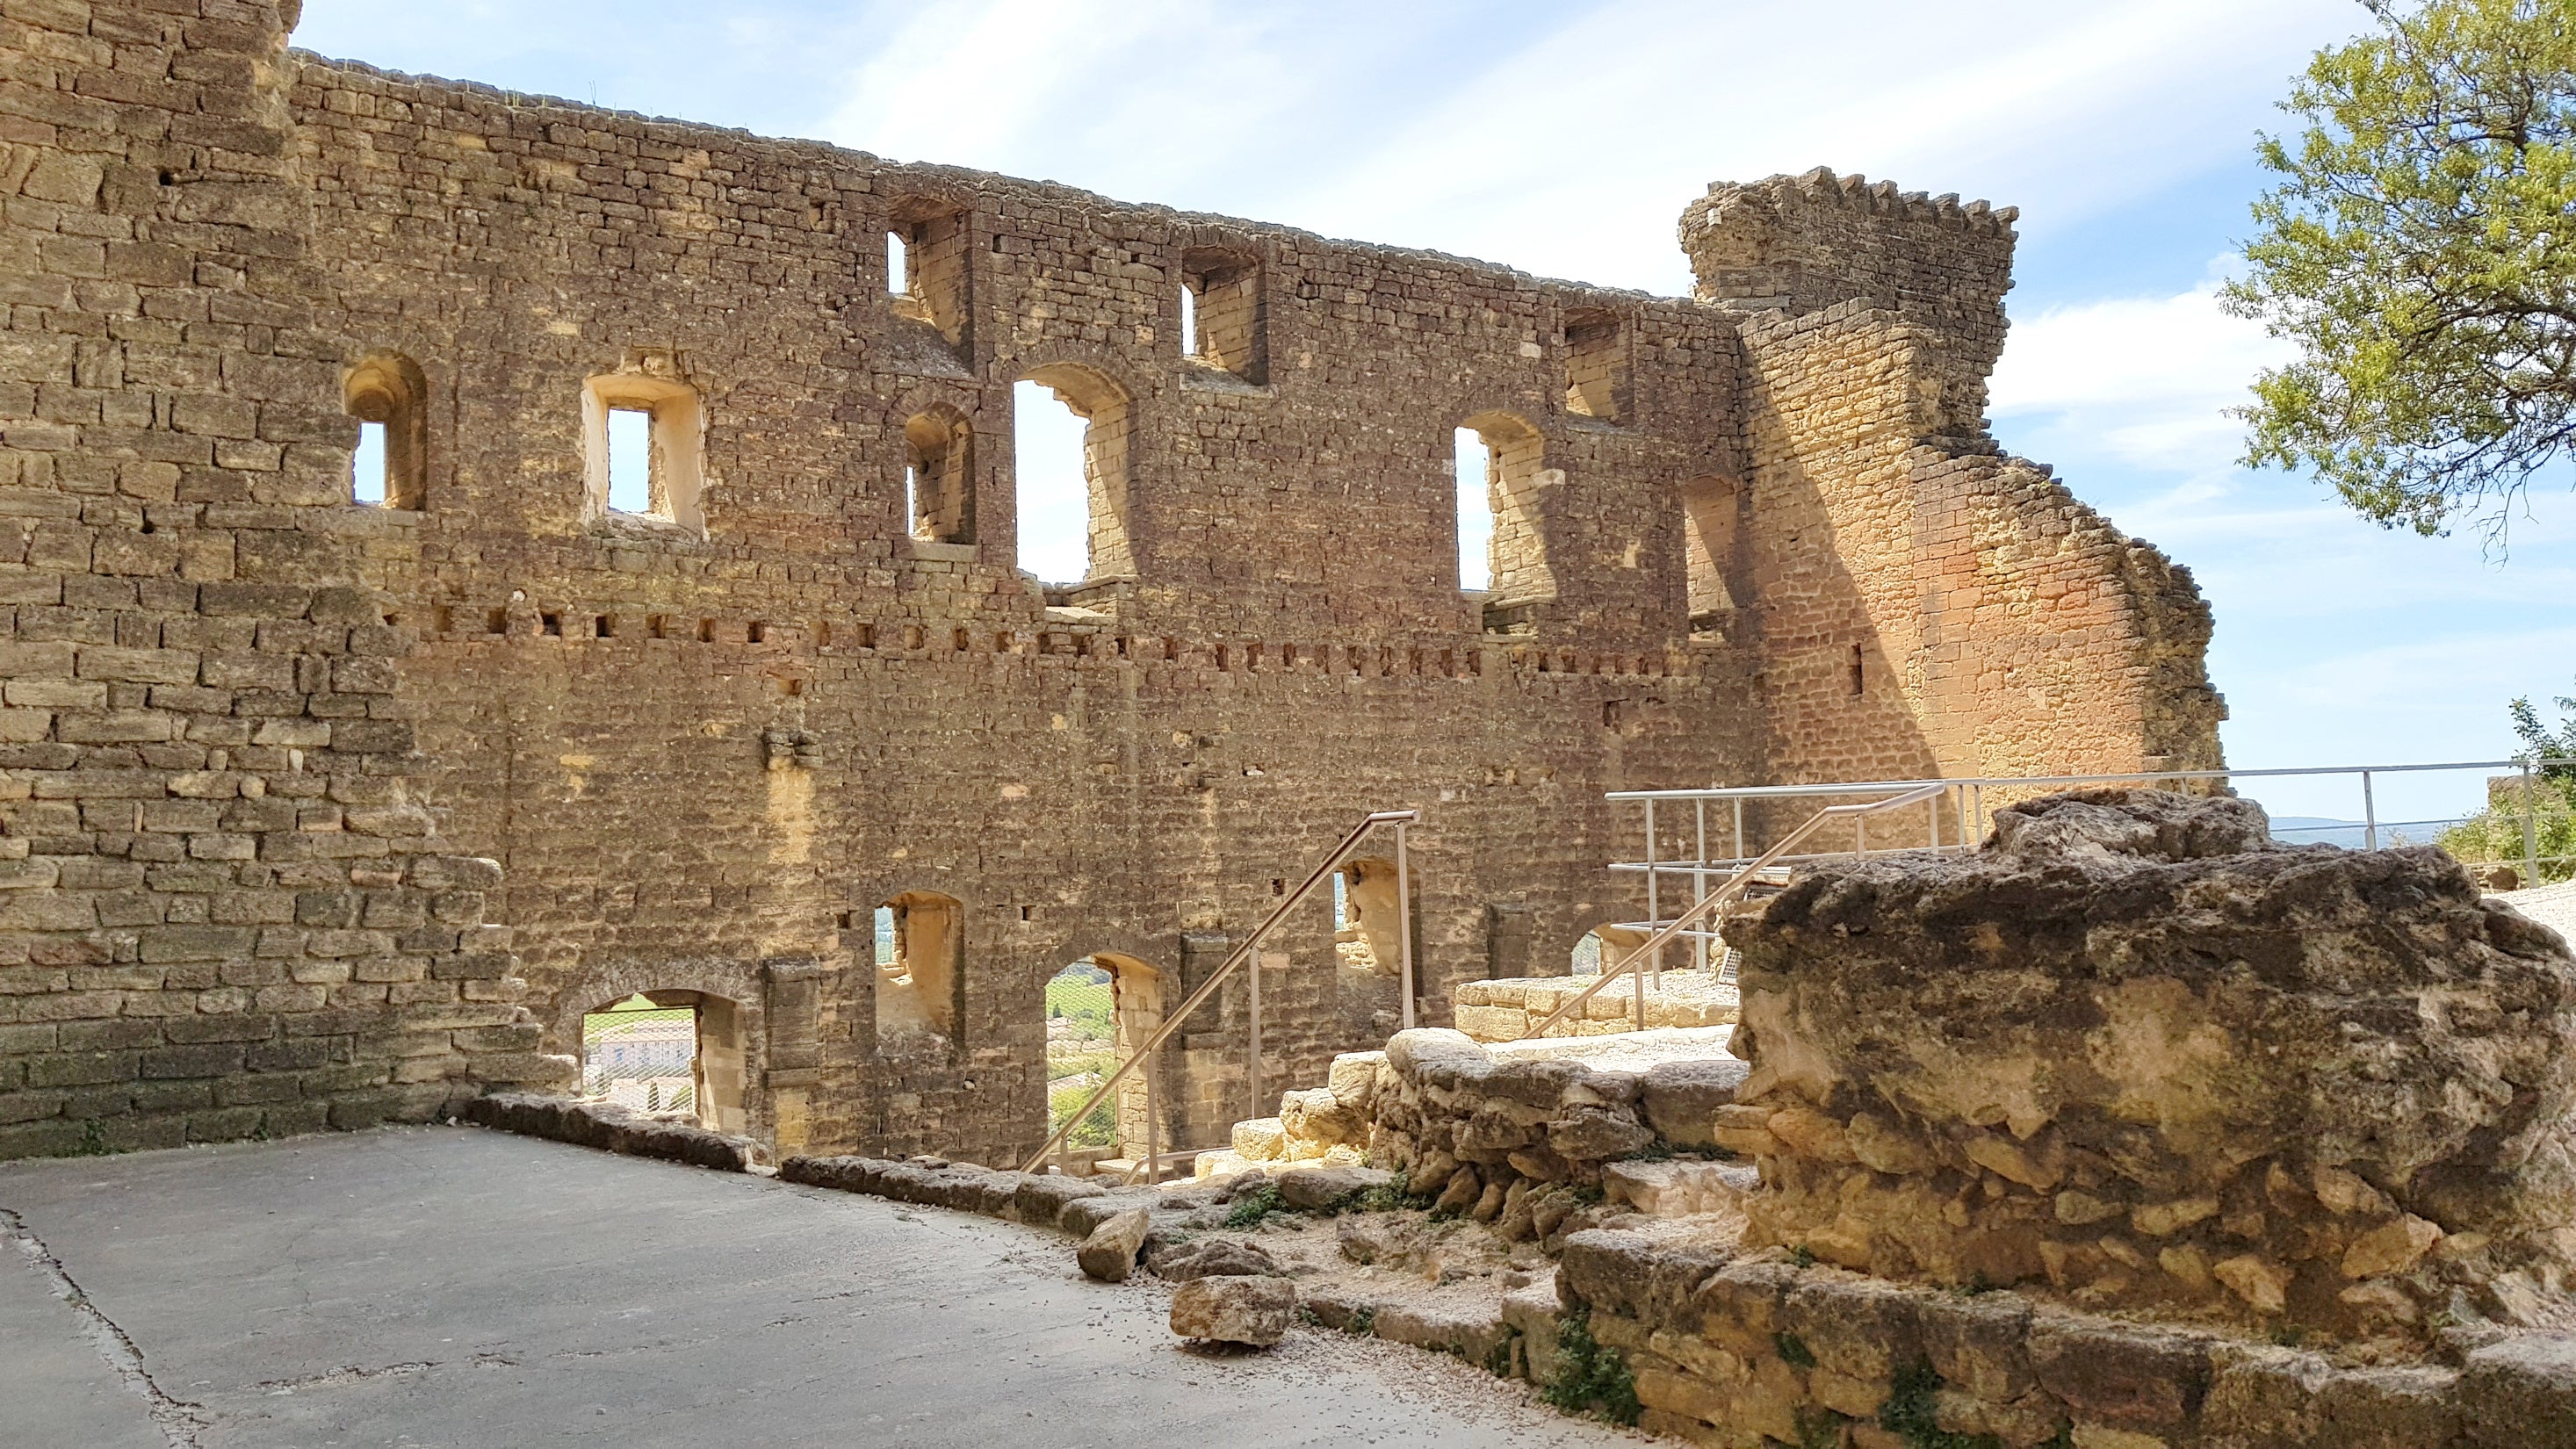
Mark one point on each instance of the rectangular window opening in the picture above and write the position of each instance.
(898, 265)
(1859, 675)
(553, 624)
(706, 631)
(657, 626)
(1189, 321)
(630, 460)
(1596, 365)
(605, 626)
(758, 632)
(497, 621)
(367, 465)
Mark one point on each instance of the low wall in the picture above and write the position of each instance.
(1509, 1010)
(1755, 1350)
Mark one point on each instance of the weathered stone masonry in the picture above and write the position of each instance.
(260, 738)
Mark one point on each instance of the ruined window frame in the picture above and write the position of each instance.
(1711, 509)
(676, 468)
(1522, 571)
(1231, 312)
(940, 509)
(387, 388)
(1108, 412)
(1598, 371)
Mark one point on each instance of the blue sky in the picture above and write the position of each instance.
(1565, 138)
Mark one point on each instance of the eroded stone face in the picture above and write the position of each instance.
(2133, 1049)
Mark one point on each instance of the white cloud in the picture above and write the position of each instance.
(2152, 378)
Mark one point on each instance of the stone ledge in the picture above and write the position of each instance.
(613, 1129)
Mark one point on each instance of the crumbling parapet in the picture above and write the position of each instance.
(2135, 1052)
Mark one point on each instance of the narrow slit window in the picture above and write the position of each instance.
(1189, 321)
(367, 465)
(1859, 674)
(898, 265)
(1475, 513)
(630, 460)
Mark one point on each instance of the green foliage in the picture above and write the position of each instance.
(1803, 1256)
(1908, 1413)
(1592, 1379)
(1081, 999)
(2552, 752)
(1388, 1197)
(93, 1140)
(2416, 249)
(1073, 1079)
(1793, 1350)
(1498, 1359)
(2495, 834)
(1256, 1207)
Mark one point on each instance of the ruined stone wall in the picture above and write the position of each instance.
(704, 745)
(1131, 776)
(225, 913)
(1894, 569)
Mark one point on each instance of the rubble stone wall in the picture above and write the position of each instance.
(704, 747)
(2133, 1051)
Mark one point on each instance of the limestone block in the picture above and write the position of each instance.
(1492, 1023)
(1322, 1189)
(1109, 1254)
(1260, 1139)
(1209, 1257)
(1444, 1328)
(1254, 1311)
(1683, 1097)
(2521, 1392)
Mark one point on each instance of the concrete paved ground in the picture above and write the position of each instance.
(454, 1287)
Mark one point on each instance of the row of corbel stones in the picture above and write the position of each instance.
(1742, 1350)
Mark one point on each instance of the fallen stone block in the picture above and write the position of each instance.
(1040, 1199)
(1254, 1311)
(1084, 1215)
(1322, 1189)
(1681, 1098)
(1109, 1254)
(1341, 1310)
(1208, 1258)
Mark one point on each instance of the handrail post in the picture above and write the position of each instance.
(1153, 1110)
(2530, 830)
(1403, 919)
(2369, 816)
(1252, 1002)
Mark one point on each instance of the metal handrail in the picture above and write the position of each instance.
(1243, 953)
(1707, 905)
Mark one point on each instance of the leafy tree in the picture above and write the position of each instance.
(2495, 833)
(2553, 753)
(2417, 248)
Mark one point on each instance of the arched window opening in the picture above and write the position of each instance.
(939, 475)
(644, 436)
(1100, 1011)
(920, 957)
(928, 246)
(1709, 507)
(1224, 315)
(385, 393)
(1596, 364)
(677, 1054)
(1606, 946)
(1069, 457)
(1508, 451)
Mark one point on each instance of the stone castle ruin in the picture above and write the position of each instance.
(322, 812)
